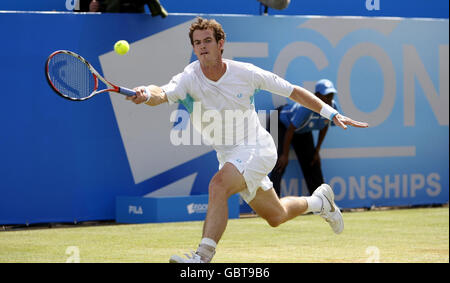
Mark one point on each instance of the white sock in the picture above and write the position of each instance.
(209, 242)
(314, 204)
(206, 249)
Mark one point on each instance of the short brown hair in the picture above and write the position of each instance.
(202, 24)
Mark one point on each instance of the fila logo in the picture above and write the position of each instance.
(132, 209)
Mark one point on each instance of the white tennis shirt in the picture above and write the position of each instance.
(225, 107)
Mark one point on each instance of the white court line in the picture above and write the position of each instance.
(364, 152)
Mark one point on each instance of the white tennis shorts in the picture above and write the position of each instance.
(254, 162)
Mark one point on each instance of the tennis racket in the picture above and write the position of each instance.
(72, 77)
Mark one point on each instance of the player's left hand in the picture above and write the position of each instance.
(342, 121)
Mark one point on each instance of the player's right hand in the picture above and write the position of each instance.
(141, 95)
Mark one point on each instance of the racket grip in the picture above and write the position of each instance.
(126, 91)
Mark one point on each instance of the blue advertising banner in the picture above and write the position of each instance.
(63, 161)
(168, 209)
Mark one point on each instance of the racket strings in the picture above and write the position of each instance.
(71, 76)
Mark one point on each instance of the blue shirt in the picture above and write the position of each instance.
(303, 119)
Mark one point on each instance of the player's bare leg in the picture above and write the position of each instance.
(277, 211)
(226, 182)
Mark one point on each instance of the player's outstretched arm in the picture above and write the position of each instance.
(309, 100)
(151, 95)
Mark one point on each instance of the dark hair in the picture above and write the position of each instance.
(203, 24)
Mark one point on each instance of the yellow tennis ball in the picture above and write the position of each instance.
(121, 47)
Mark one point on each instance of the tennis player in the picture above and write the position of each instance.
(226, 85)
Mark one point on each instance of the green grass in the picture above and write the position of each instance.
(405, 235)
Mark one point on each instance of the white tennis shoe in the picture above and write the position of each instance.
(193, 258)
(330, 211)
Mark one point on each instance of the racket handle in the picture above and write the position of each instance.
(126, 91)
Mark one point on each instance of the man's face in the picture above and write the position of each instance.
(205, 46)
